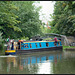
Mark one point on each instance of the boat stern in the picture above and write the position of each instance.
(10, 52)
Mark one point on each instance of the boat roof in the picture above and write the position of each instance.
(37, 41)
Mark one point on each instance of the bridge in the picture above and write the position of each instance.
(63, 38)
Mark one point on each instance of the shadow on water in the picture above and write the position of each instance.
(39, 63)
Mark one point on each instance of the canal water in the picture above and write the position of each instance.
(55, 62)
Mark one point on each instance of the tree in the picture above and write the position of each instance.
(29, 17)
(64, 18)
(7, 18)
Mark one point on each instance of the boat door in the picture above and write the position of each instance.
(19, 45)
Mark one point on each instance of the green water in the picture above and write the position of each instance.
(39, 63)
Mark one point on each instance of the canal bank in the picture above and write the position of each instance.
(68, 48)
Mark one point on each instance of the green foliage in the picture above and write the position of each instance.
(8, 18)
(64, 47)
(24, 38)
(1, 39)
(63, 18)
(29, 16)
(45, 29)
(19, 19)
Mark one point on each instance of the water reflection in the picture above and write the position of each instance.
(69, 54)
(11, 61)
(41, 64)
(66, 65)
(47, 63)
(40, 59)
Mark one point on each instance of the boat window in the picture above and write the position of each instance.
(36, 39)
(36, 44)
(58, 43)
(18, 45)
(55, 44)
(47, 44)
(30, 45)
(26, 45)
(40, 44)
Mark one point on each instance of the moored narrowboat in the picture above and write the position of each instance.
(23, 47)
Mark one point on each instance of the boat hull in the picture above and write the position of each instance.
(10, 52)
(60, 48)
(13, 52)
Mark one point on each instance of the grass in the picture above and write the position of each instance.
(64, 47)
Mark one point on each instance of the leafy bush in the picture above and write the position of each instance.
(24, 38)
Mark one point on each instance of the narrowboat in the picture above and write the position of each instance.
(23, 47)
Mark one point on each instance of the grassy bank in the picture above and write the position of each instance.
(64, 47)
